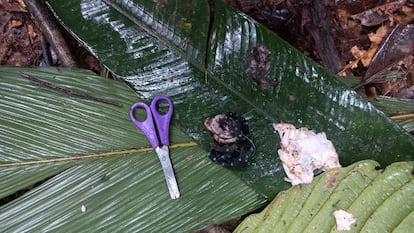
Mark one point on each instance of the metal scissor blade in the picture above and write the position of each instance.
(164, 156)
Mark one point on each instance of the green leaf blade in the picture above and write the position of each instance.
(303, 93)
(28, 175)
(100, 170)
(405, 225)
(121, 196)
(380, 200)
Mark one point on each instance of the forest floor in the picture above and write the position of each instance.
(370, 39)
(373, 40)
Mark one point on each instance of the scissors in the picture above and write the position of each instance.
(161, 129)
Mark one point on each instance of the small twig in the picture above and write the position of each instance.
(403, 116)
(69, 91)
(51, 31)
(45, 53)
(73, 158)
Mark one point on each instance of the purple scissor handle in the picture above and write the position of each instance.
(162, 122)
(157, 124)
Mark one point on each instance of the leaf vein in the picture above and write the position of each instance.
(95, 155)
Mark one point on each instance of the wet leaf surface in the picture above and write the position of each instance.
(147, 46)
(80, 165)
(380, 200)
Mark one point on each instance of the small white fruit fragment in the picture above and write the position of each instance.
(303, 151)
(83, 208)
(344, 220)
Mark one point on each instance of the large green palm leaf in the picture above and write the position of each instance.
(380, 200)
(161, 47)
(98, 171)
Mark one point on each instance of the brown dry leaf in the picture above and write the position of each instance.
(378, 36)
(14, 23)
(376, 40)
(31, 32)
(356, 52)
(350, 65)
(12, 6)
(379, 14)
(365, 56)
(397, 45)
(402, 85)
(22, 4)
(344, 20)
(406, 15)
(343, 13)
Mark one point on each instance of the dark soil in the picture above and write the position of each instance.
(22, 42)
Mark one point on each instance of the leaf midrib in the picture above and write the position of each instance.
(95, 155)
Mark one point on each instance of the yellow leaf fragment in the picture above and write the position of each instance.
(377, 37)
(186, 25)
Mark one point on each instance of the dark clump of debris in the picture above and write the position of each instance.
(258, 60)
(231, 144)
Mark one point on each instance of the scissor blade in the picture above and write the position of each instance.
(164, 157)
